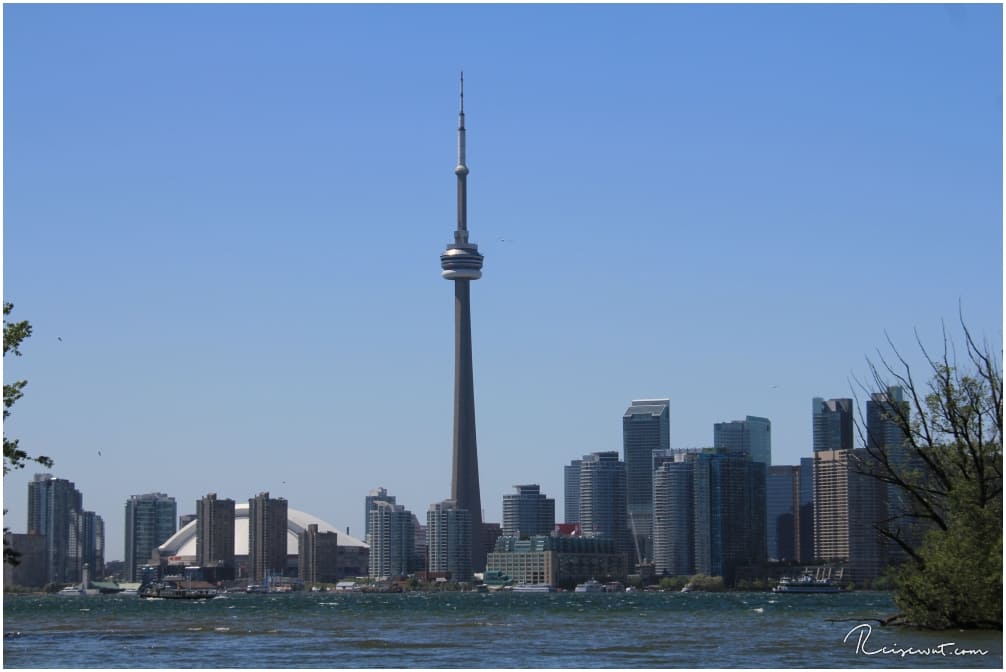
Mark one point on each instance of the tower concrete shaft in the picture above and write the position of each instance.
(462, 263)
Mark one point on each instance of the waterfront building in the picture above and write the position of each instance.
(751, 437)
(805, 545)
(571, 491)
(318, 555)
(528, 512)
(392, 541)
(31, 570)
(54, 505)
(847, 505)
(645, 431)
(729, 514)
(352, 560)
(92, 543)
(448, 533)
(887, 441)
(832, 424)
(267, 537)
(369, 502)
(673, 518)
(603, 513)
(556, 561)
(461, 263)
(150, 520)
(782, 511)
(215, 532)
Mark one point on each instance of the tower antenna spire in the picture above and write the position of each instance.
(462, 171)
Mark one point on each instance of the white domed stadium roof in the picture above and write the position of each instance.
(183, 542)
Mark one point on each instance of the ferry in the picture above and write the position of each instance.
(806, 584)
(533, 588)
(591, 586)
(174, 590)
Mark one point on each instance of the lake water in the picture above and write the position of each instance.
(505, 630)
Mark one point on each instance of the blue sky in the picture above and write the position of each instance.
(232, 216)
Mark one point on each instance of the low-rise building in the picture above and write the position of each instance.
(557, 561)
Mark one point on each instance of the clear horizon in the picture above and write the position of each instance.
(224, 223)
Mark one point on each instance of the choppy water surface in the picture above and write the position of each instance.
(625, 630)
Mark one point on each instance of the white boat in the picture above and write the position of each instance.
(78, 591)
(806, 584)
(533, 588)
(590, 586)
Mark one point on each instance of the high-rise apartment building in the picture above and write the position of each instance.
(267, 537)
(571, 491)
(645, 431)
(392, 541)
(847, 506)
(317, 555)
(448, 534)
(54, 506)
(92, 543)
(782, 510)
(732, 512)
(751, 437)
(369, 502)
(603, 512)
(832, 424)
(806, 542)
(674, 518)
(150, 520)
(528, 512)
(215, 531)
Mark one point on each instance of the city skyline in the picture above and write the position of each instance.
(224, 247)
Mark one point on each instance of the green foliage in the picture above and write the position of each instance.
(13, 457)
(13, 335)
(706, 584)
(959, 583)
(674, 583)
(949, 472)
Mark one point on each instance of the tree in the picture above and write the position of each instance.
(13, 457)
(947, 472)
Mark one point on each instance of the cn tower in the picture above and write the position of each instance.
(462, 263)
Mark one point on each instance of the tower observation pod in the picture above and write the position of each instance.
(462, 263)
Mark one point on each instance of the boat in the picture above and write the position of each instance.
(78, 591)
(590, 586)
(533, 588)
(806, 584)
(174, 590)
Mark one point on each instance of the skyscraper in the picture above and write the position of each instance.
(729, 496)
(215, 531)
(571, 491)
(267, 537)
(751, 436)
(448, 533)
(782, 510)
(847, 506)
(317, 555)
(392, 540)
(54, 506)
(832, 424)
(602, 501)
(92, 543)
(673, 518)
(150, 520)
(886, 440)
(462, 263)
(645, 430)
(528, 512)
(375, 495)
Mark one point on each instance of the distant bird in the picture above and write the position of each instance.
(59, 338)
(99, 453)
